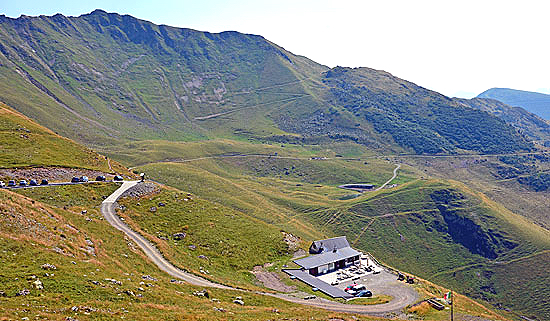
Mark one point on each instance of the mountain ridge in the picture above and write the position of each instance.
(120, 78)
(534, 102)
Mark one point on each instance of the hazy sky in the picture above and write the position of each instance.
(459, 48)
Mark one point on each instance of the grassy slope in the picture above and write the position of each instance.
(130, 79)
(232, 243)
(23, 251)
(405, 229)
(27, 144)
(118, 78)
(402, 227)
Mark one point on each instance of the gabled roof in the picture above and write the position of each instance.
(328, 245)
(316, 282)
(326, 257)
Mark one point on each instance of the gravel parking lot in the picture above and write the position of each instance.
(386, 283)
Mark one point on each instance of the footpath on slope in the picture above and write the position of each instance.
(108, 211)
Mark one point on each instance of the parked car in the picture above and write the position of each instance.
(100, 178)
(84, 179)
(75, 179)
(11, 183)
(364, 293)
(44, 182)
(354, 290)
(118, 178)
(33, 182)
(359, 287)
(2, 184)
(349, 287)
(22, 182)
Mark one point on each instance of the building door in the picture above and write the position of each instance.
(314, 271)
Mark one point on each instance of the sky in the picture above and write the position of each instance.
(458, 48)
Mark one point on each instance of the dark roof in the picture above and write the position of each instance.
(324, 287)
(328, 245)
(326, 257)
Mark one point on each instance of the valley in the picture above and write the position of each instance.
(245, 147)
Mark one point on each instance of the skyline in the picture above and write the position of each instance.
(458, 49)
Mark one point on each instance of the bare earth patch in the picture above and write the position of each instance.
(271, 280)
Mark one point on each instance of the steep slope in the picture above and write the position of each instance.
(432, 228)
(536, 103)
(129, 78)
(62, 265)
(531, 125)
(116, 78)
(27, 144)
(416, 118)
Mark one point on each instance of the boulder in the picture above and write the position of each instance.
(48, 266)
(179, 236)
(38, 284)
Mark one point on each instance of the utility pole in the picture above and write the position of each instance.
(452, 303)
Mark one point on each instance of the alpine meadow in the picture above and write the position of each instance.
(246, 150)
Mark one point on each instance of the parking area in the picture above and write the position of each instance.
(351, 273)
(375, 278)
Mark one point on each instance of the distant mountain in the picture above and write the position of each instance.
(533, 126)
(536, 103)
(105, 79)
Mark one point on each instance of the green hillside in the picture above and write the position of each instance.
(253, 142)
(416, 118)
(27, 144)
(430, 228)
(536, 103)
(534, 127)
(116, 78)
(89, 271)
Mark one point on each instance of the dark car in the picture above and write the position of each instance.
(118, 178)
(11, 183)
(84, 179)
(44, 182)
(100, 178)
(75, 179)
(364, 293)
(33, 182)
(22, 182)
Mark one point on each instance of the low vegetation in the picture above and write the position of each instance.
(212, 240)
(27, 144)
(87, 270)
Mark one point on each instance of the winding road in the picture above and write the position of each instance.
(397, 167)
(401, 298)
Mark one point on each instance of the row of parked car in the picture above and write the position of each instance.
(75, 179)
(23, 182)
(100, 178)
